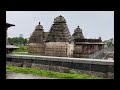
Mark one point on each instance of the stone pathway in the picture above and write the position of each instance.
(25, 76)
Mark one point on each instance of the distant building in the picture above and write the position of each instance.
(21, 35)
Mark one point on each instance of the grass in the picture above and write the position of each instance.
(21, 49)
(47, 73)
(21, 53)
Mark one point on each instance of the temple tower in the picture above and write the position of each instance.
(58, 41)
(59, 31)
(36, 44)
(78, 33)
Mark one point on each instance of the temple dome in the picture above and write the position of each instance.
(39, 26)
(78, 29)
(78, 33)
(37, 35)
(59, 19)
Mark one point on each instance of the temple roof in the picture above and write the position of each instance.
(59, 19)
(37, 35)
(45, 34)
(11, 46)
(9, 25)
(59, 31)
(90, 43)
(78, 30)
(39, 26)
(87, 40)
(78, 33)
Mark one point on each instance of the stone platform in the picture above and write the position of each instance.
(97, 67)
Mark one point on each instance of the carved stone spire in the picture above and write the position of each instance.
(78, 33)
(59, 31)
(37, 35)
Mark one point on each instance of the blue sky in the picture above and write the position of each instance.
(94, 24)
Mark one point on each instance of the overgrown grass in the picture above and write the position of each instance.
(47, 73)
(21, 49)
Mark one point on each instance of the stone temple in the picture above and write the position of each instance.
(59, 42)
(36, 41)
(84, 47)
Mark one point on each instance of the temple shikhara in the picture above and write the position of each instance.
(59, 42)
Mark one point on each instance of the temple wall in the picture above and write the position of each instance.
(96, 48)
(70, 49)
(36, 48)
(77, 50)
(61, 49)
(84, 50)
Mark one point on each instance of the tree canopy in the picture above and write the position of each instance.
(17, 40)
(109, 43)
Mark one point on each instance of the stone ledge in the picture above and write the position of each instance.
(63, 59)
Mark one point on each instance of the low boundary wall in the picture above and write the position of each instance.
(97, 67)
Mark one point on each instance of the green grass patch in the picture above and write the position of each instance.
(21, 53)
(47, 73)
(21, 49)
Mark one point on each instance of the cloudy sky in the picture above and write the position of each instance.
(94, 24)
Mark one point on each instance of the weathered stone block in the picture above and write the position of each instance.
(110, 75)
(27, 65)
(99, 68)
(17, 64)
(56, 63)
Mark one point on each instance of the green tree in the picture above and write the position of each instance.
(109, 43)
(25, 41)
(17, 41)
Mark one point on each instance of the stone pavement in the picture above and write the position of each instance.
(25, 76)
